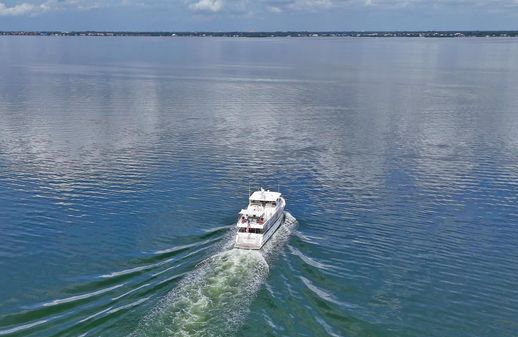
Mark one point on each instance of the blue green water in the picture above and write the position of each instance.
(124, 162)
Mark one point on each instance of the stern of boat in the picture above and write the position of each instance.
(248, 241)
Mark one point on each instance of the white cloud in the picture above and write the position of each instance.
(244, 7)
(286, 5)
(279, 6)
(39, 7)
(437, 3)
(213, 6)
(232, 7)
(22, 9)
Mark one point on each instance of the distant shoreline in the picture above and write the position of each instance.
(426, 34)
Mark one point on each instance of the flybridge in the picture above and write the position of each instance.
(263, 195)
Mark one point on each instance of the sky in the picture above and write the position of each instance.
(258, 15)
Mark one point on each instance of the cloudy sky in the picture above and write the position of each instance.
(257, 15)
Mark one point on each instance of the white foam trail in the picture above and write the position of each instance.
(131, 291)
(131, 305)
(214, 299)
(307, 259)
(82, 297)
(95, 315)
(324, 294)
(22, 327)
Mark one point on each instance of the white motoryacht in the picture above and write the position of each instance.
(257, 223)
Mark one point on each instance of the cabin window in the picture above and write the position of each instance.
(250, 230)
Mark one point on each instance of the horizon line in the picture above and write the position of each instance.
(276, 34)
(266, 31)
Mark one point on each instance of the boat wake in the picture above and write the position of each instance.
(215, 297)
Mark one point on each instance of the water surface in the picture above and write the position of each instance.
(124, 161)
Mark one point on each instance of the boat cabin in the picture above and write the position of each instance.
(265, 198)
(262, 205)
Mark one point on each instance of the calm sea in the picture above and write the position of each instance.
(124, 162)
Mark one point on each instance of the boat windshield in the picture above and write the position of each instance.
(263, 203)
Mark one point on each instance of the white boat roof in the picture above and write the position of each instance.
(252, 212)
(263, 195)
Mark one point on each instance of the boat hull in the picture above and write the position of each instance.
(257, 241)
